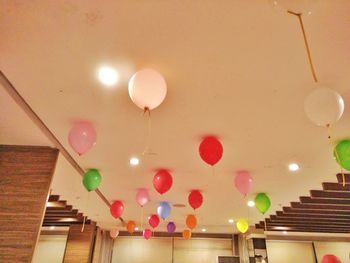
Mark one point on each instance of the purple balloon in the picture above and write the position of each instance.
(171, 227)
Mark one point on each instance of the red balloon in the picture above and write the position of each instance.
(153, 221)
(162, 181)
(330, 259)
(211, 150)
(117, 209)
(195, 198)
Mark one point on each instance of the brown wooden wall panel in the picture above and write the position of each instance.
(25, 177)
(80, 245)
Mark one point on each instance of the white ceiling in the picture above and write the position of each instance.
(237, 69)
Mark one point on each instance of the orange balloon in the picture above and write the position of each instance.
(186, 234)
(130, 226)
(191, 221)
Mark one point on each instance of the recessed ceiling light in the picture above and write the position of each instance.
(281, 228)
(293, 167)
(285, 232)
(108, 76)
(204, 230)
(52, 227)
(136, 229)
(134, 161)
(251, 203)
(231, 221)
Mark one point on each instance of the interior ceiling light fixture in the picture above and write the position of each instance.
(204, 230)
(251, 203)
(231, 221)
(293, 167)
(108, 76)
(134, 161)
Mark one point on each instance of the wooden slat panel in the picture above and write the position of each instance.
(288, 210)
(309, 200)
(302, 216)
(62, 211)
(335, 187)
(80, 244)
(320, 206)
(25, 175)
(57, 204)
(330, 194)
(340, 178)
(54, 198)
(309, 222)
(66, 208)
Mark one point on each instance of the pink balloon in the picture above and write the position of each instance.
(114, 233)
(147, 233)
(142, 196)
(147, 89)
(330, 259)
(244, 182)
(82, 136)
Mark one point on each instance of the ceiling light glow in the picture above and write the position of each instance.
(108, 76)
(284, 232)
(136, 229)
(52, 227)
(251, 203)
(134, 161)
(204, 230)
(293, 167)
(231, 221)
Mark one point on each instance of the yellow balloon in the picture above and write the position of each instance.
(242, 225)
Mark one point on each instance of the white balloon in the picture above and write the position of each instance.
(114, 233)
(147, 89)
(297, 6)
(324, 107)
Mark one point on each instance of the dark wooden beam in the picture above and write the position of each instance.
(335, 187)
(61, 211)
(320, 206)
(288, 210)
(61, 204)
(330, 194)
(316, 222)
(309, 200)
(178, 234)
(54, 198)
(340, 178)
(301, 216)
(274, 218)
(66, 208)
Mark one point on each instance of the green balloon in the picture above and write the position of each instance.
(342, 154)
(262, 202)
(92, 179)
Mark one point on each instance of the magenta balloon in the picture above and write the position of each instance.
(82, 136)
(244, 182)
(142, 196)
(330, 259)
(147, 233)
(171, 227)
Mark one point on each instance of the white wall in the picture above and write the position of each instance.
(50, 249)
(289, 252)
(340, 249)
(159, 250)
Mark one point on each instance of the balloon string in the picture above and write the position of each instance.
(141, 217)
(330, 138)
(87, 211)
(306, 44)
(147, 149)
(83, 226)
